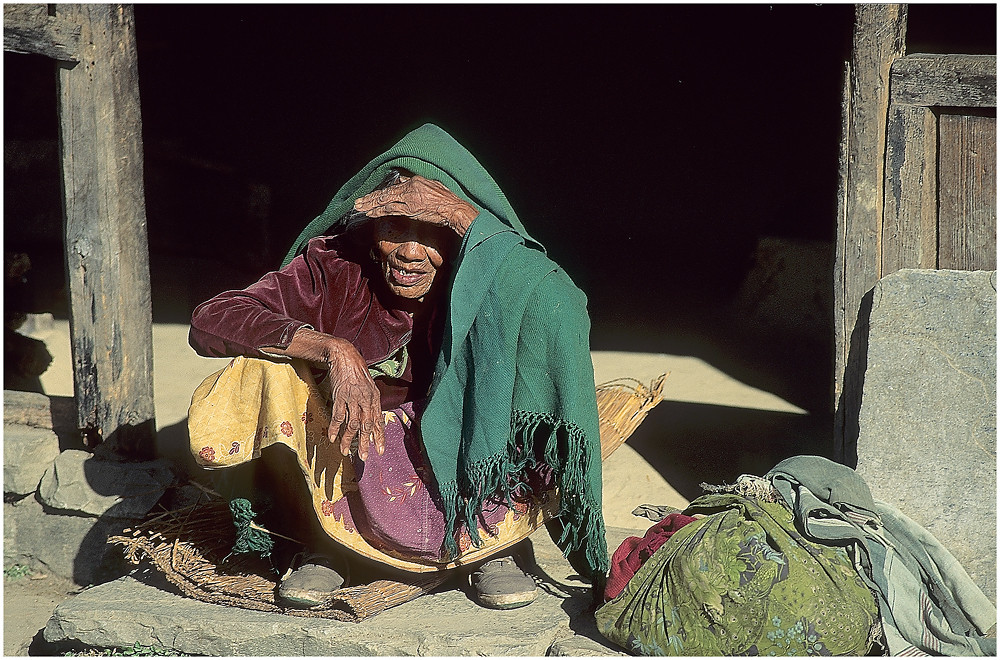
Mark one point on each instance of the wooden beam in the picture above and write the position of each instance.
(107, 257)
(30, 29)
(961, 81)
(879, 39)
(909, 231)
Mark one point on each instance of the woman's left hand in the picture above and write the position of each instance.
(421, 199)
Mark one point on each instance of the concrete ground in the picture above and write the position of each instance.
(712, 426)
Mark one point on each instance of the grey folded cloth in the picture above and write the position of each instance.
(654, 512)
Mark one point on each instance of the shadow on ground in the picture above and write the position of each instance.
(690, 443)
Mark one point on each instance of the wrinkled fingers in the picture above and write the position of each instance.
(378, 203)
(373, 426)
(342, 417)
(359, 418)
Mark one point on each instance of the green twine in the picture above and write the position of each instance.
(248, 538)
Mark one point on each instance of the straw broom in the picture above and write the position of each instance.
(622, 404)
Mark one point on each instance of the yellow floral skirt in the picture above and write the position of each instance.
(386, 508)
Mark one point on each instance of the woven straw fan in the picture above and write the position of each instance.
(622, 404)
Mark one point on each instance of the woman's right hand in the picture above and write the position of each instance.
(425, 200)
(356, 410)
(356, 404)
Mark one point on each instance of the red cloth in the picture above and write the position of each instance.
(633, 552)
(333, 292)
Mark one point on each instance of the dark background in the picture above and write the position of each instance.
(648, 146)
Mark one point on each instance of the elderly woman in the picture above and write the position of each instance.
(429, 367)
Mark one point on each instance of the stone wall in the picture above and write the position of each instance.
(61, 502)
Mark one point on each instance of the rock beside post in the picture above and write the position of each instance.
(28, 453)
(79, 481)
(69, 546)
(61, 503)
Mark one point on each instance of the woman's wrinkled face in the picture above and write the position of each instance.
(410, 253)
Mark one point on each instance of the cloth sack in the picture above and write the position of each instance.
(742, 581)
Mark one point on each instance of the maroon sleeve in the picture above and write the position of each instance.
(318, 288)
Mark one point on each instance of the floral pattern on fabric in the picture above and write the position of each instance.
(742, 581)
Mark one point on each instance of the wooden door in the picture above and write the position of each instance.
(917, 182)
(940, 180)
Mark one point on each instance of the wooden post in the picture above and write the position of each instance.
(107, 256)
(879, 38)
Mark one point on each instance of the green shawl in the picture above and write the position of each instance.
(514, 381)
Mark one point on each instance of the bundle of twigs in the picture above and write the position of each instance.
(192, 548)
(622, 404)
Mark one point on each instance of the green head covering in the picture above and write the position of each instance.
(433, 154)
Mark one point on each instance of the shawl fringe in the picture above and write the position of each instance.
(564, 449)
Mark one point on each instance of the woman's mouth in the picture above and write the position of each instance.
(405, 277)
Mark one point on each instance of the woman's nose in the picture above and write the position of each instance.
(411, 251)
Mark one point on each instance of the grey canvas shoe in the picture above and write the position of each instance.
(500, 584)
(310, 581)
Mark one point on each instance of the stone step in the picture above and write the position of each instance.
(445, 623)
(123, 612)
(39, 410)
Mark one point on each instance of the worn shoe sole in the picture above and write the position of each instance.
(301, 598)
(310, 584)
(507, 601)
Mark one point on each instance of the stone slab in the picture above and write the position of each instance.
(445, 623)
(927, 442)
(79, 481)
(123, 612)
(72, 547)
(27, 453)
(581, 646)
